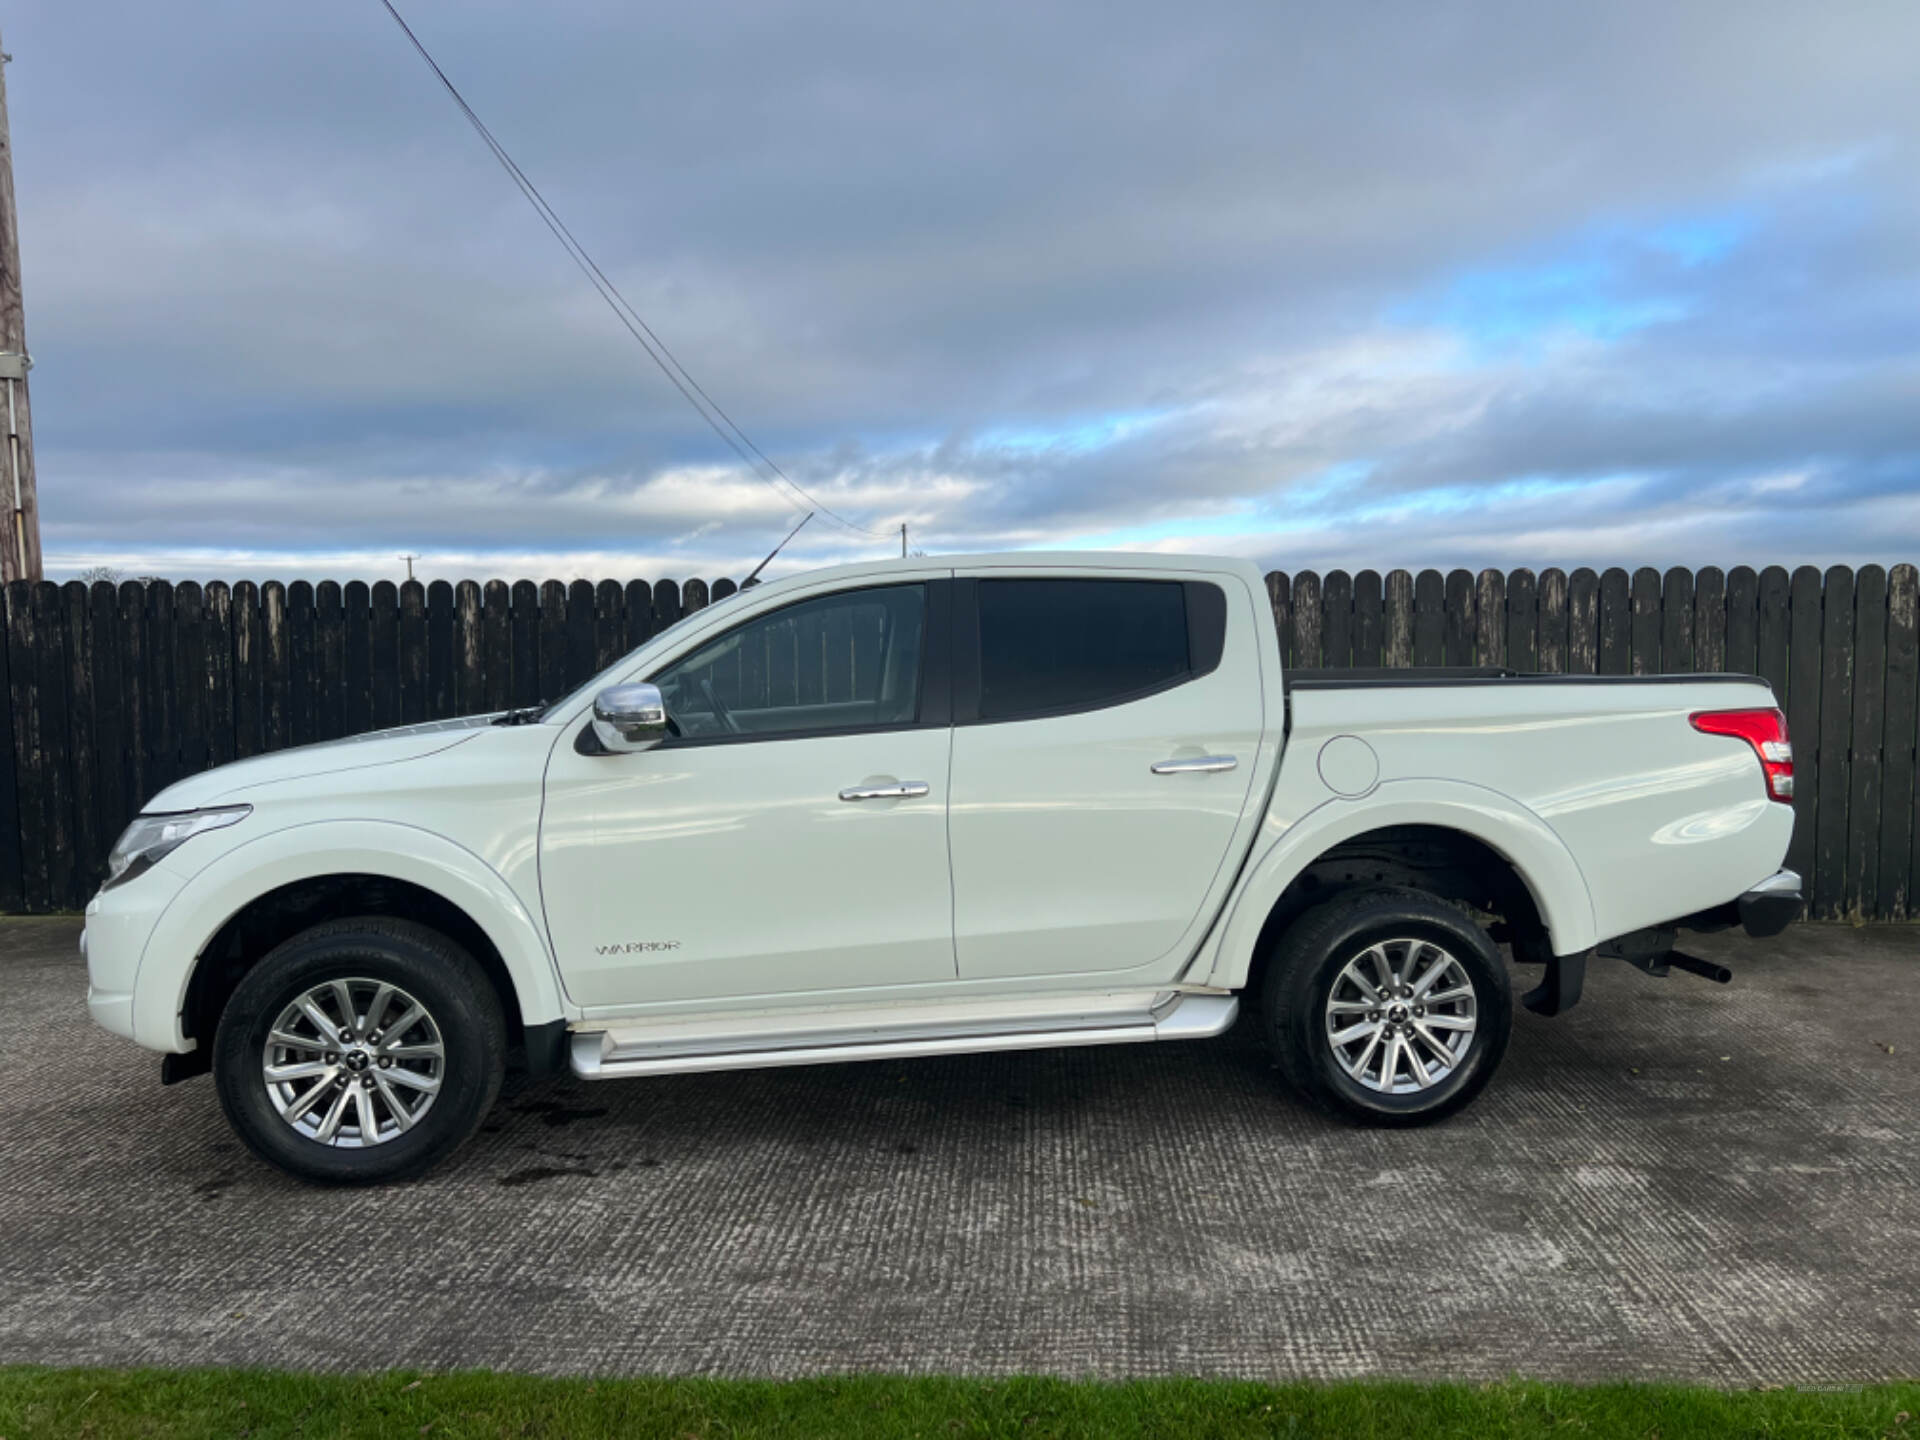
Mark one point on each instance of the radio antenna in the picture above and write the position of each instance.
(754, 578)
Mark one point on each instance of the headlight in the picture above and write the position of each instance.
(151, 838)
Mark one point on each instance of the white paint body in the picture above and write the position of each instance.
(727, 893)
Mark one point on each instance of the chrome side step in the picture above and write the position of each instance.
(614, 1054)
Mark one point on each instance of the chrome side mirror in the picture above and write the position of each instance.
(629, 718)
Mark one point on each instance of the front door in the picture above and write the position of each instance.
(1102, 757)
(791, 840)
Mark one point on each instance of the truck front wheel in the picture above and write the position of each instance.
(1387, 1006)
(360, 1051)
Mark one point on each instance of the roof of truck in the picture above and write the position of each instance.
(1031, 560)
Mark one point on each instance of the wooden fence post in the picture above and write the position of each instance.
(1308, 617)
(13, 896)
(1864, 793)
(357, 656)
(88, 862)
(1429, 618)
(383, 655)
(1280, 601)
(1803, 715)
(1900, 789)
(1526, 620)
(1460, 622)
(1397, 647)
(496, 644)
(1369, 633)
(1336, 620)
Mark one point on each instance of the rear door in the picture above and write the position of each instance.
(1106, 736)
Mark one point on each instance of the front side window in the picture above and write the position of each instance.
(847, 661)
(1048, 646)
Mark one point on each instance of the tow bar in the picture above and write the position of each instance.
(1652, 950)
(1705, 969)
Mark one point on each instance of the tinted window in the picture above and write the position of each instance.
(844, 661)
(1065, 644)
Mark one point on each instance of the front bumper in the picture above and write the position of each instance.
(114, 943)
(1772, 905)
(110, 1009)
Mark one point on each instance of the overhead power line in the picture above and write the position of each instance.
(722, 424)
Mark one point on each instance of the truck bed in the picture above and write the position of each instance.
(1658, 819)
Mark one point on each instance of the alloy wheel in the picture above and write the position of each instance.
(352, 1063)
(1400, 1017)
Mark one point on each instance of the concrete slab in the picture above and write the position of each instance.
(1675, 1180)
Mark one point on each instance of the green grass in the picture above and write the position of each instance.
(165, 1404)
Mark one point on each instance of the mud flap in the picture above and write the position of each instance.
(1559, 989)
(175, 1068)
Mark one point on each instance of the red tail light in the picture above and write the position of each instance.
(1766, 732)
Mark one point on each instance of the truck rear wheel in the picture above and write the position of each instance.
(360, 1051)
(1387, 1006)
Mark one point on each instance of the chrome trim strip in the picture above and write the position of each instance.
(1198, 765)
(593, 1057)
(1781, 880)
(624, 1044)
(1199, 1017)
(589, 1064)
(899, 790)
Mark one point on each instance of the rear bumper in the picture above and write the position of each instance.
(1772, 905)
(1765, 910)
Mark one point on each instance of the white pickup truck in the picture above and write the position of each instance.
(922, 807)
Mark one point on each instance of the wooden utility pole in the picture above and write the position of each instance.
(20, 546)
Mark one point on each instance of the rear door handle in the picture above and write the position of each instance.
(898, 790)
(1198, 765)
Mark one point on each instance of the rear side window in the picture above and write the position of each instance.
(1054, 645)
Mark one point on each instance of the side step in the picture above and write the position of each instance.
(616, 1054)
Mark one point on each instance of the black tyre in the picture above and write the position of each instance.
(1387, 1006)
(360, 1051)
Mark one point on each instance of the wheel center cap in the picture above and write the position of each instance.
(357, 1060)
(1397, 1013)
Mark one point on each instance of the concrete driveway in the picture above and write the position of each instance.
(1675, 1180)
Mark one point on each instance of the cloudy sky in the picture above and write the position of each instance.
(1322, 284)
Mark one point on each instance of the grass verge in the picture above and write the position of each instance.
(186, 1404)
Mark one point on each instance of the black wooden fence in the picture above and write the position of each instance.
(118, 692)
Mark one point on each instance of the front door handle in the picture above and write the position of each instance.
(897, 790)
(1198, 765)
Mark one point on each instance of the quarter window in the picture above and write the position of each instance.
(846, 661)
(1048, 646)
